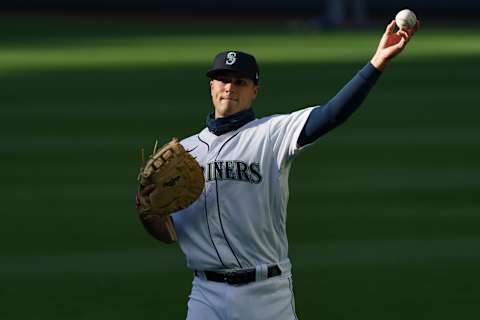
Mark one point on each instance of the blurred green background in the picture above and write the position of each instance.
(383, 214)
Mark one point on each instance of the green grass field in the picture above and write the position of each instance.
(384, 212)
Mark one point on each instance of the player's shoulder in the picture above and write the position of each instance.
(189, 141)
(196, 139)
(280, 117)
(257, 125)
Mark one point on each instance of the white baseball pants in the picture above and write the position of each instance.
(270, 299)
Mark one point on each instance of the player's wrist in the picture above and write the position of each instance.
(379, 63)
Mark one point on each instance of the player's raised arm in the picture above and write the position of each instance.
(350, 97)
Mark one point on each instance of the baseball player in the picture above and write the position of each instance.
(234, 235)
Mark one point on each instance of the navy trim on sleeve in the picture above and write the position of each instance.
(325, 118)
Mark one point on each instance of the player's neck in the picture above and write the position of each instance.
(232, 122)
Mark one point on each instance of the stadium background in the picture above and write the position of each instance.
(384, 212)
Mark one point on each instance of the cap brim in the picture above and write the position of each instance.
(215, 72)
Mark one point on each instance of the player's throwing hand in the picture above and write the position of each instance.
(391, 44)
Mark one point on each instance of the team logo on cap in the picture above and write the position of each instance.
(231, 58)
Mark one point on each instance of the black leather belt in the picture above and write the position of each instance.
(239, 276)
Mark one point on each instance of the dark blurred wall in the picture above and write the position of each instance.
(445, 6)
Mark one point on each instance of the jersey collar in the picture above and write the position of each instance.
(223, 125)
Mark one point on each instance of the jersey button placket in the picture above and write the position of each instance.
(218, 229)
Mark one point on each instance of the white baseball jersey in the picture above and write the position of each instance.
(239, 221)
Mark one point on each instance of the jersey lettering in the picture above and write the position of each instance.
(229, 170)
(219, 166)
(255, 177)
(242, 171)
(233, 170)
(210, 170)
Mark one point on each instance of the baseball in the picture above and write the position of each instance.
(406, 19)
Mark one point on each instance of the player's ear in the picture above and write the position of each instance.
(211, 86)
(255, 91)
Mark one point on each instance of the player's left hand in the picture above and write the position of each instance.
(391, 44)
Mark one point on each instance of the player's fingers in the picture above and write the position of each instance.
(411, 31)
(391, 27)
(404, 34)
(401, 44)
(415, 28)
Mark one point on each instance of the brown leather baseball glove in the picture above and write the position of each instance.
(177, 177)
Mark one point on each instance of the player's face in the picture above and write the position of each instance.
(231, 93)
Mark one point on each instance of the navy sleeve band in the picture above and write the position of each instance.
(325, 118)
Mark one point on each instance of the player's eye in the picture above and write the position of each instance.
(240, 82)
(224, 80)
(236, 81)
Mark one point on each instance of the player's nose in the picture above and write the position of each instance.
(229, 87)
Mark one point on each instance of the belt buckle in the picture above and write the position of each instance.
(232, 277)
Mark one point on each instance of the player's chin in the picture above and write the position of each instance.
(229, 104)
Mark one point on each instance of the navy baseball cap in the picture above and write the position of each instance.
(235, 61)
